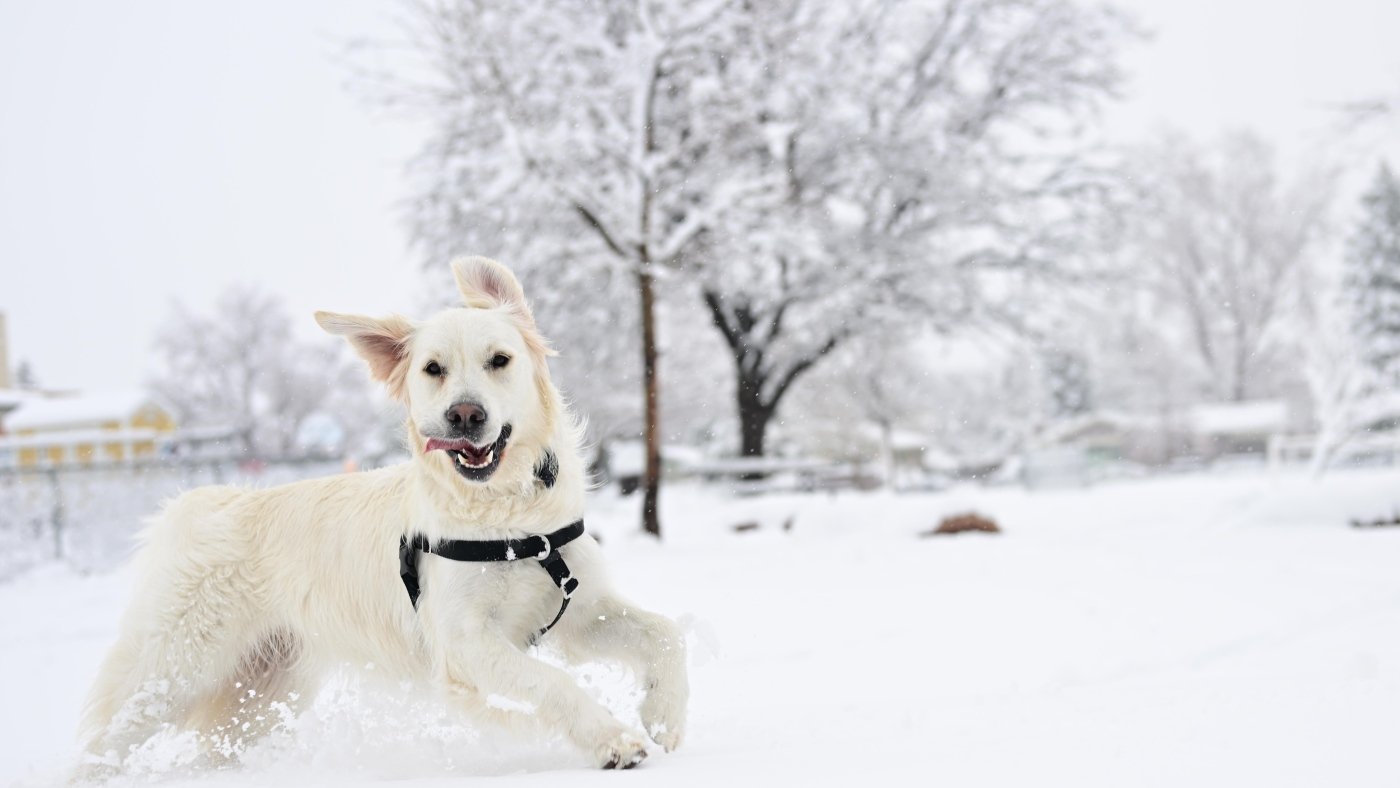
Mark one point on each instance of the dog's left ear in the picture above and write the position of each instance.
(486, 284)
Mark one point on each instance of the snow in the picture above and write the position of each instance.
(1195, 630)
(739, 465)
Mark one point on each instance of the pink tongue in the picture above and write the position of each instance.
(438, 443)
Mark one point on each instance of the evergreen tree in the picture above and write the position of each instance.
(1373, 277)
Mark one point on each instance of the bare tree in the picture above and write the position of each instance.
(239, 367)
(884, 385)
(1225, 242)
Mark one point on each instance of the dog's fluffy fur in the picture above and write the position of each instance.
(248, 598)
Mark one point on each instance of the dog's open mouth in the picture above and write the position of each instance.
(474, 462)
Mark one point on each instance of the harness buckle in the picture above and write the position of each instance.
(568, 585)
(548, 548)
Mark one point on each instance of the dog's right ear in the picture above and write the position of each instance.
(381, 342)
(485, 283)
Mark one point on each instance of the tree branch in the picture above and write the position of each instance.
(731, 337)
(800, 367)
(592, 220)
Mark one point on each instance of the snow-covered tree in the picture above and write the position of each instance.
(896, 134)
(1352, 325)
(807, 170)
(1372, 279)
(240, 367)
(1338, 378)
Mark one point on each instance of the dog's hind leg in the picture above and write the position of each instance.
(267, 689)
(113, 687)
(189, 626)
(149, 681)
(116, 716)
(649, 643)
(129, 705)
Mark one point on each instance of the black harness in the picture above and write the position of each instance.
(538, 547)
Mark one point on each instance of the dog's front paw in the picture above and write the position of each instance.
(668, 739)
(664, 718)
(623, 751)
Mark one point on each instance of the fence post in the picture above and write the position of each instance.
(56, 519)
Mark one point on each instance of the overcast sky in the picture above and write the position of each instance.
(159, 151)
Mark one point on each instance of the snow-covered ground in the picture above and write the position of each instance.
(1187, 631)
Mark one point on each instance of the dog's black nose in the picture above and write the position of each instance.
(466, 416)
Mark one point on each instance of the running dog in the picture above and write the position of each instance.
(246, 599)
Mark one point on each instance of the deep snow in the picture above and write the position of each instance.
(1185, 631)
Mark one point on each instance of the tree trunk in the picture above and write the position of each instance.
(753, 425)
(753, 421)
(651, 476)
(737, 323)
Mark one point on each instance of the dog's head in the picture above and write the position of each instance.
(474, 379)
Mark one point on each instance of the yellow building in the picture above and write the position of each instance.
(85, 429)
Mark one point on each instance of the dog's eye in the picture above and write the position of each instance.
(433, 369)
(500, 360)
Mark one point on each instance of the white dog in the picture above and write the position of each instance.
(247, 598)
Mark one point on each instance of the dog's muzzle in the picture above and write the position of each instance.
(475, 463)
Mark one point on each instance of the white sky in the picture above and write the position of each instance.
(159, 151)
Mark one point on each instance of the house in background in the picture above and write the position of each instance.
(1103, 444)
(85, 429)
(1237, 428)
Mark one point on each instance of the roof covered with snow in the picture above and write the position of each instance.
(1234, 418)
(13, 398)
(1082, 425)
(79, 410)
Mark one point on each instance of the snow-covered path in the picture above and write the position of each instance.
(1183, 631)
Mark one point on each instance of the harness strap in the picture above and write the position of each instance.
(541, 547)
(559, 573)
